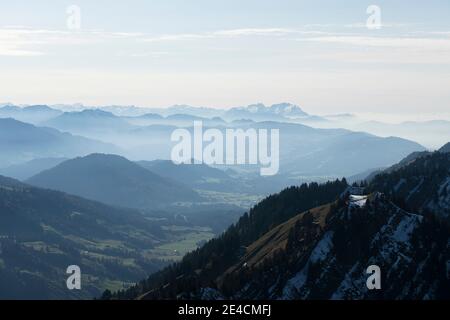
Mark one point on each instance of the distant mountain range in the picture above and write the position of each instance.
(114, 180)
(257, 112)
(179, 120)
(309, 152)
(428, 133)
(280, 110)
(317, 241)
(88, 122)
(30, 168)
(260, 112)
(32, 114)
(177, 115)
(306, 152)
(21, 142)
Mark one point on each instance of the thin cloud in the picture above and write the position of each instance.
(387, 42)
(255, 32)
(236, 33)
(175, 37)
(14, 52)
(231, 33)
(149, 54)
(24, 42)
(360, 25)
(356, 25)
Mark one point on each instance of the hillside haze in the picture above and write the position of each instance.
(114, 180)
(21, 142)
(23, 171)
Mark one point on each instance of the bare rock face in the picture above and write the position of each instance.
(410, 250)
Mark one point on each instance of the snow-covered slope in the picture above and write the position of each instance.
(332, 264)
(423, 185)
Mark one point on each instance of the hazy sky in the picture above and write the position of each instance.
(318, 54)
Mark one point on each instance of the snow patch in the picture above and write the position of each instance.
(319, 253)
(405, 228)
(399, 184)
(357, 201)
(210, 294)
(350, 285)
(322, 248)
(416, 188)
(295, 283)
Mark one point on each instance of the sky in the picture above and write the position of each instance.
(318, 54)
